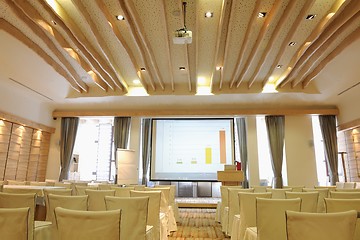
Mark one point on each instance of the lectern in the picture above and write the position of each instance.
(230, 177)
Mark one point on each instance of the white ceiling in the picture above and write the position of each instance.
(247, 48)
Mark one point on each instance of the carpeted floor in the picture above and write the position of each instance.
(198, 224)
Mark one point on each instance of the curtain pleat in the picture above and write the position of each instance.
(121, 136)
(242, 136)
(275, 126)
(69, 127)
(146, 148)
(328, 130)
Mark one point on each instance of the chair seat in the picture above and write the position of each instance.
(235, 227)
(43, 230)
(251, 233)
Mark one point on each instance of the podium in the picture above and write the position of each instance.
(230, 177)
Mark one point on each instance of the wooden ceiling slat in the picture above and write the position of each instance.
(118, 80)
(139, 31)
(322, 35)
(274, 36)
(13, 31)
(244, 46)
(268, 21)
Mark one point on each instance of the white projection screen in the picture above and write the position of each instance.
(191, 149)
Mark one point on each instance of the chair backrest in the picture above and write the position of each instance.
(14, 200)
(347, 190)
(122, 191)
(65, 185)
(14, 223)
(295, 188)
(172, 192)
(25, 190)
(105, 186)
(68, 202)
(55, 191)
(133, 213)
(270, 217)
(96, 200)
(278, 193)
(349, 185)
(309, 200)
(15, 182)
(76, 225)
(247, 204)
(234, 204)
(80, 189)
(323, 193)
(341, 205)
(339, 185)
(344, 195)
(259, 189)
(320, 226)
(165, 196)
(153, 208)
(38, 183)
(136, 187)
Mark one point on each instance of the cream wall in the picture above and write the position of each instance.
(53, 167)
(253, 164)
(299, 150)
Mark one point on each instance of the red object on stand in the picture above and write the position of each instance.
(238, 166)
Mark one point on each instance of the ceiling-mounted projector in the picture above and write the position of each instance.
(182, 36)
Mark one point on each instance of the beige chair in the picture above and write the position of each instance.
(12, 200)
(344, 195)
(278, 193)
(105, 186)
(347, 190)
(309, 200)
(64, 185)
(247, 216)
(38, 183)
(96, 200)
(134, 212)
(339, 185)
(172, 202)
(349, 185)
(68, 202)
(330, 188)
(137, 187)
(55, 191)
(224, 209)
(270, 218)
(260, 189)
(80, 189)
(77, 225)
(320, 226)
(155, 219)
(233, 207)
(15, 182)
(341, 205)
(323, 193)
(14, 223)
(122, 191)
(295, 188)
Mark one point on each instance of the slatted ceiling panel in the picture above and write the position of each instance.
(5, 132)
(34, 157)
(14, 151)
(24, 154)
(44, 155)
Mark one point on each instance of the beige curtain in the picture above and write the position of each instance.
(146, 147)
(275, 126)
(121, 136)
(328, 130)
(69, 126)
(242, 136)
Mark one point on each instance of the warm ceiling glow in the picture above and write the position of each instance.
(201, 81)
(110, 24)
(136, 81)
(46, 26)
(2, 123)
(73, 54)
(204, 90)
(269, 88)
(54, 5)
(137, 91)
(209, 14)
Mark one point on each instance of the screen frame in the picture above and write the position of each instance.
(232, 131)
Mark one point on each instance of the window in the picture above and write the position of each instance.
(265, 168)
(94, 147)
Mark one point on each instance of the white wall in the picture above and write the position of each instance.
(299, 150)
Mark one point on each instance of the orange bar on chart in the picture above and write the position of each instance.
(222, 146)
(208, 155)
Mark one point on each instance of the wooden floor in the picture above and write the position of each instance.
(197, 224)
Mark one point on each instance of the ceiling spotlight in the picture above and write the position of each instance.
(142, 69)
(182, 68)
(279, 66)
(311, 16)
(218, 68)
(209, 14)
(120, 17)
(291, 44)
(53, 22)
(261, 14)
(136, 81)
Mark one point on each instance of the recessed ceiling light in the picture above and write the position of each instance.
(120, 17)
(142, 69)
(53, 22)
(279, 66)
(311, 16)
(262, 14)
(209, 14)
(218, 68)
(182, 68)
(136, 82)
(291, 44)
